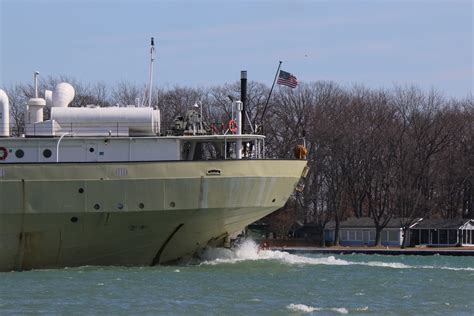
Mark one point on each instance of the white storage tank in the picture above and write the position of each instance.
(4, 115)
(90, 121)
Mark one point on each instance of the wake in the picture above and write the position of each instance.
(249, 251)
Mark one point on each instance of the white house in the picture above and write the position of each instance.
(361, 232)
(443, 232)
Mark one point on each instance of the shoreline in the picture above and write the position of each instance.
(390, 251)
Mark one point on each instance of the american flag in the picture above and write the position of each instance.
(287, 79)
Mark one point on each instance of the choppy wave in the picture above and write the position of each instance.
(309, 309)
(249, 251)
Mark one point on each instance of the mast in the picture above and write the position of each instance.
(150, 79)
(35, 79)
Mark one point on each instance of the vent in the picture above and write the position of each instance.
(214, 172)
(121, 172)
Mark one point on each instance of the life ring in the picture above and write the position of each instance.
(233, 126)
(3, 153)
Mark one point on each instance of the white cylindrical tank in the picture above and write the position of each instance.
(157, 120)
(63, 94)
(48, 96)
(139, 121)
(4, 115)
(35, 110)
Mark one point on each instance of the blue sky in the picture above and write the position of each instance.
(203, 43)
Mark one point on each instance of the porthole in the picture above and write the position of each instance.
(120, 206)
(91, 149)
(273, 200)
(81, 190)
(47, 153)
(74, 219)
(97, 206)
(19, 153)
(141, 205)
(172, 204)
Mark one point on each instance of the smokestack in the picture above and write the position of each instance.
(243, 97)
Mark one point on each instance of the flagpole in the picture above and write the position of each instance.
(270, 94)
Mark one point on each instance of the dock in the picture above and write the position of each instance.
(427, 251)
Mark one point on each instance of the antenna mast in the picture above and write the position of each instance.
(150, 81)
(36, 83)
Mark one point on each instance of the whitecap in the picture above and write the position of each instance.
(362, 309)
(340, 310)
(394, 265)
(309, 309)
(302, 308)
(447, 268)
(250, 251)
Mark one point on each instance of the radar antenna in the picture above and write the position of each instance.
(150, 71)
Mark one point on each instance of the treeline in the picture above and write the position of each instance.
(391, 153)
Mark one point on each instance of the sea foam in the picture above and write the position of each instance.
(250, 251)
(309, 309)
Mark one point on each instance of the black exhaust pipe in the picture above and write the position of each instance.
(243, 97)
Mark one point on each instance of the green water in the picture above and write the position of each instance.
(248, 282)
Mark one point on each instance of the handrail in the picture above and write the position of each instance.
(57, 145)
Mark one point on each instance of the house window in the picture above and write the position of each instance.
(393, 236)
(443, 236)
(372, 235)
(343, 235)
(434, 236)
(384, 236)
(359, 235)
(453, 234)
(425, 239)
(352, 235)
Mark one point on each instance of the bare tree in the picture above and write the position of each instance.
(18, 100)
(126, 93)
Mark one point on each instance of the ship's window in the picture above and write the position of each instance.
(81, 190)
(96, 206)
(172, 204)
(47, 153)
(141, 205)
(91, 149)
(120, 206)
(74, 219)
(19, 153)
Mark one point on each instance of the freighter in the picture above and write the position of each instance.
(105, 186)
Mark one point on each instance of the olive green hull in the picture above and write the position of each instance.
(140, 213)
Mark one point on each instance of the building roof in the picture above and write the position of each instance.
(365, 222)
(440, 223)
